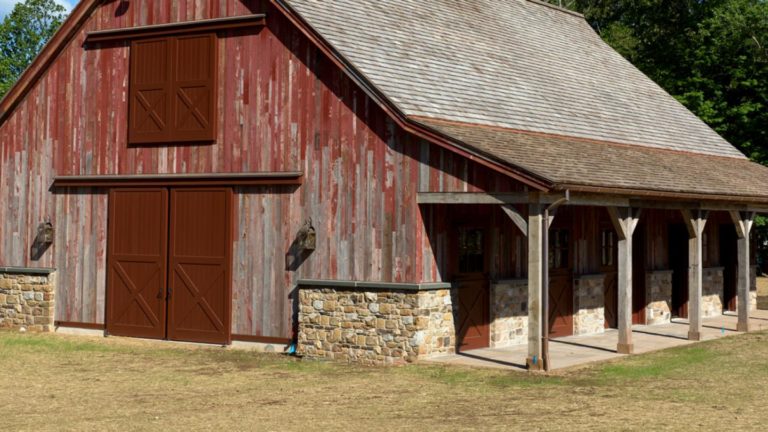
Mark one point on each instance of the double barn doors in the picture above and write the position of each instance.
(169, 264)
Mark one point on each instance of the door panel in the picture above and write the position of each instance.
(560, 305)
(729, 261)
(137, 259)
(200, 265)
(678, 262)
(560, 279)
(471, 265)
(611, 293)
(474, 329)
(638, 275)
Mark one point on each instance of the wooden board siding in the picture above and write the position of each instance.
(282, 106)
(79, 253)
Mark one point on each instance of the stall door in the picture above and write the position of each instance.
(560, 283)
(200, 273)
(473, 330)
(678, 262)
(137, 263)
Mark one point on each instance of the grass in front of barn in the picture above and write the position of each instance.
(55, 382)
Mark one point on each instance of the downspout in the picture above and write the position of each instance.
(545, 276)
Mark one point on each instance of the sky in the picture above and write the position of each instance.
(7, 5)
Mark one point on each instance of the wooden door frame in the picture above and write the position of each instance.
(564, 220)
(639, 262)
(609, 271)
(484, 276)
(680, 296)
(230, 242)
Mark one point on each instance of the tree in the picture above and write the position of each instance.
(712, 55)
(23, 33)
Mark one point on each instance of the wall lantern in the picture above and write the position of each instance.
(307, 237)
(45, 233)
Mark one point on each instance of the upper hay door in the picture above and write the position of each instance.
(172, 90)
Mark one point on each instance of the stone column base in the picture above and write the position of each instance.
(625, 348)
(27, 298)
(694, 336)
(742, 327)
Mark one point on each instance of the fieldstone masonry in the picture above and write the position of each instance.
(509, 313)
(373, 326)
(589, 304)
(712, 292)
(658, 294)
(27, 300)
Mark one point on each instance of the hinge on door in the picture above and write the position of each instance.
(170, 291)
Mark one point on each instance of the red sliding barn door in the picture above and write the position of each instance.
(137, 257)
(200, 265)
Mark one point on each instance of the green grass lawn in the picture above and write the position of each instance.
(54, 382)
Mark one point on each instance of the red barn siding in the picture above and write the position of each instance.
(282, 106)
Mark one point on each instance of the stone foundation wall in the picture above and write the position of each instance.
(27, 299)
(658, 292)
(589, 304)
(374, 326)
(712, 292)
(509, 313)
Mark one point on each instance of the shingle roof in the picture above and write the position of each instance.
(573, 161)
(512, 63)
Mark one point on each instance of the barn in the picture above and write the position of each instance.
(377, 182)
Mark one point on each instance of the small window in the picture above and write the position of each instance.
(558, 248)
(607, 248)
(172, 90)
(471, 251)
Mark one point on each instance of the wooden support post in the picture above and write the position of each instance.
(695, 221)
(535, 286)
(743, 222)
(625, 221)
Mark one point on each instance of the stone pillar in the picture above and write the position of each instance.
(625, 221)
(695, 223)
(743, 222)
(535, 288)
(27, 298)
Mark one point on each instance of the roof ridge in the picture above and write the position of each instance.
(557, 8)
(641, 147)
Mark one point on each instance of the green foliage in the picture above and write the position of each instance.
(23, 33)
(712, 55)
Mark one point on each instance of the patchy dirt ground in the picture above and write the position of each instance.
(54, 382)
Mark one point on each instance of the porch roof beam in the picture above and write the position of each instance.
(582, 199)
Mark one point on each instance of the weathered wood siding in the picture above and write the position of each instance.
(282, 106)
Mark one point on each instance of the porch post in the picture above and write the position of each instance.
(743, 222)
(535, 288)
(695, 222)
(625, 221)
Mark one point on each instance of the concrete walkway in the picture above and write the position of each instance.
(580, 350)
